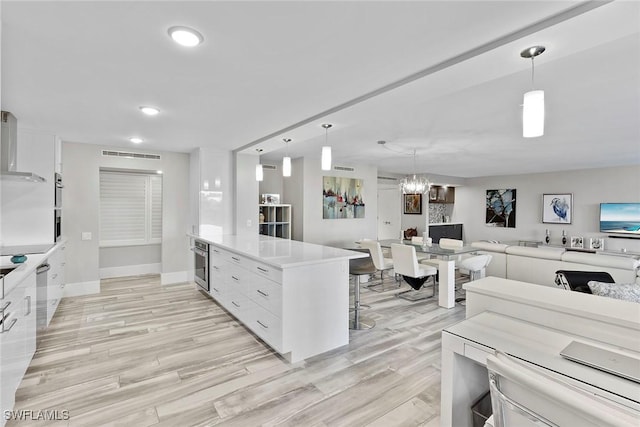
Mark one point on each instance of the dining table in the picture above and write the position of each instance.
(446, 259)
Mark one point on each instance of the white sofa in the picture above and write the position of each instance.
(538, 265)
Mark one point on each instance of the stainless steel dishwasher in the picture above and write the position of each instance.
(41, 299)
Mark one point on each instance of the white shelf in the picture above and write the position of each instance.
(276, 221)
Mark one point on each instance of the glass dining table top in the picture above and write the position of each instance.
(434, 249)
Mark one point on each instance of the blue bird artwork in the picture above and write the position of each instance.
(560, 208)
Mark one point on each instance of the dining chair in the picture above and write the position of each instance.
(381, 263)
(405, 262)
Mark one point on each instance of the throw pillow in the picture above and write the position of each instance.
(623, 291)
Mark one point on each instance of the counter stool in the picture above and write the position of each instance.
(357, 268)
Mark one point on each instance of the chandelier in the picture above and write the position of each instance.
(414, 184)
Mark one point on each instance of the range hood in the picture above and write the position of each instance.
(9, 151)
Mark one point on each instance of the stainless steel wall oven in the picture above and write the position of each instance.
(201, 254)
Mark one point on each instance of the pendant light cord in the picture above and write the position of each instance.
(532, 73)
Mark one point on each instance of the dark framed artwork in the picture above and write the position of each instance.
(413, 204)
(557, 208)
(501, 208)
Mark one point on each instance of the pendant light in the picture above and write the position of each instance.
(286, 160)
(533, 106)
(326, 150)
(259, 173)
(414, 184)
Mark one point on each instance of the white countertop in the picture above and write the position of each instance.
(444, 223)
(279, 253)
(15, 277)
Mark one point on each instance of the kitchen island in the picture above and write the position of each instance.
(293, 295)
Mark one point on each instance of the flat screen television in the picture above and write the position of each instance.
(620, 218)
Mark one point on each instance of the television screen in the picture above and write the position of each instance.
(620, 218)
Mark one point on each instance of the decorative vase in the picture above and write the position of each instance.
(18, 259)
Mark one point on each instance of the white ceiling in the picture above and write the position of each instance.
(81, 69)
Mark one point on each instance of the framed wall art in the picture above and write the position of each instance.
(577, 242)
(342, 198)
(501, 208)
(557, 208)
(413, 204)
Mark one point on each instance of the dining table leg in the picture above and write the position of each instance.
(447, 283)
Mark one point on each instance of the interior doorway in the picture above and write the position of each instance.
(389, 209)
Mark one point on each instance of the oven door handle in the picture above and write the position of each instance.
(200, 252)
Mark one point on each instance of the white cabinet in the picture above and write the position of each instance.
(275, 220)
(57, 155)
(17, 338)
(55, 281)
(299, 309)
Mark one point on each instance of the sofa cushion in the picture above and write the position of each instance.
(622, 291)
(543, 253)
(490, 246)
(623, 263)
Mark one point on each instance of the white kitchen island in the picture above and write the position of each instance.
(293, 295)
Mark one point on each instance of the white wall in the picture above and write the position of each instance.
(338, 232)
(27, 207)
(293, 194)
(273, 182)
(246, 188)
(590, 187)
(81, 201)
(215, 187)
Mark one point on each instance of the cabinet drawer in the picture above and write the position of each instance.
(266, 293)
(264, 270)
(237, 279)
(266, 326)
(218, 290)
(239, 305)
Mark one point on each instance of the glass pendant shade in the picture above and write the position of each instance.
(259, 173)
(326, 158)
(286, 166)
(533, 114)
(414, 185)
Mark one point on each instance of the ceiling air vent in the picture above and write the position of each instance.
(343, 168)
(387, 178)
(130, 155)
(269, 167)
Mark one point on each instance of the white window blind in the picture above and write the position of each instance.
(130, 208)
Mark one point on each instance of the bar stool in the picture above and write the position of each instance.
(357, 268)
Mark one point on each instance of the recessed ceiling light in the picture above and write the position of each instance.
(149, 111)
(185, 36)
(136, 140)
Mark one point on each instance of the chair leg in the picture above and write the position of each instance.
(375, 286)
(356, 321)
(417, 295)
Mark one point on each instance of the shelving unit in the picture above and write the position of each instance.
(277, 220)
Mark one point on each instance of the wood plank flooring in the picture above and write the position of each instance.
(141, 354)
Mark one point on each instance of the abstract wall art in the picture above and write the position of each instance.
(501, 208)
(342, 198)
(557, 208)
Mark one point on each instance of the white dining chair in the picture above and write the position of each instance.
(405, 262)
(382, 264)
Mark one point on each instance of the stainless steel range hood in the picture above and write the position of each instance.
(9, 151)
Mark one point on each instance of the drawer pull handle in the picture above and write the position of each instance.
(264, 270)
(262, 324)
(235, 259)
(234, 277)
(215, 267)
(264, 294)
(13, 322)
(27, 300)
(6, 305)
(235, 303)
(54, 302)
(216, 289)
(54, 276)
(216, 251)
(63, 264)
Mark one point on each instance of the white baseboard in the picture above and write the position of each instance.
(81, 288)
(174, 277)
(130, 270)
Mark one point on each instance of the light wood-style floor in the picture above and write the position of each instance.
(141, 354)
